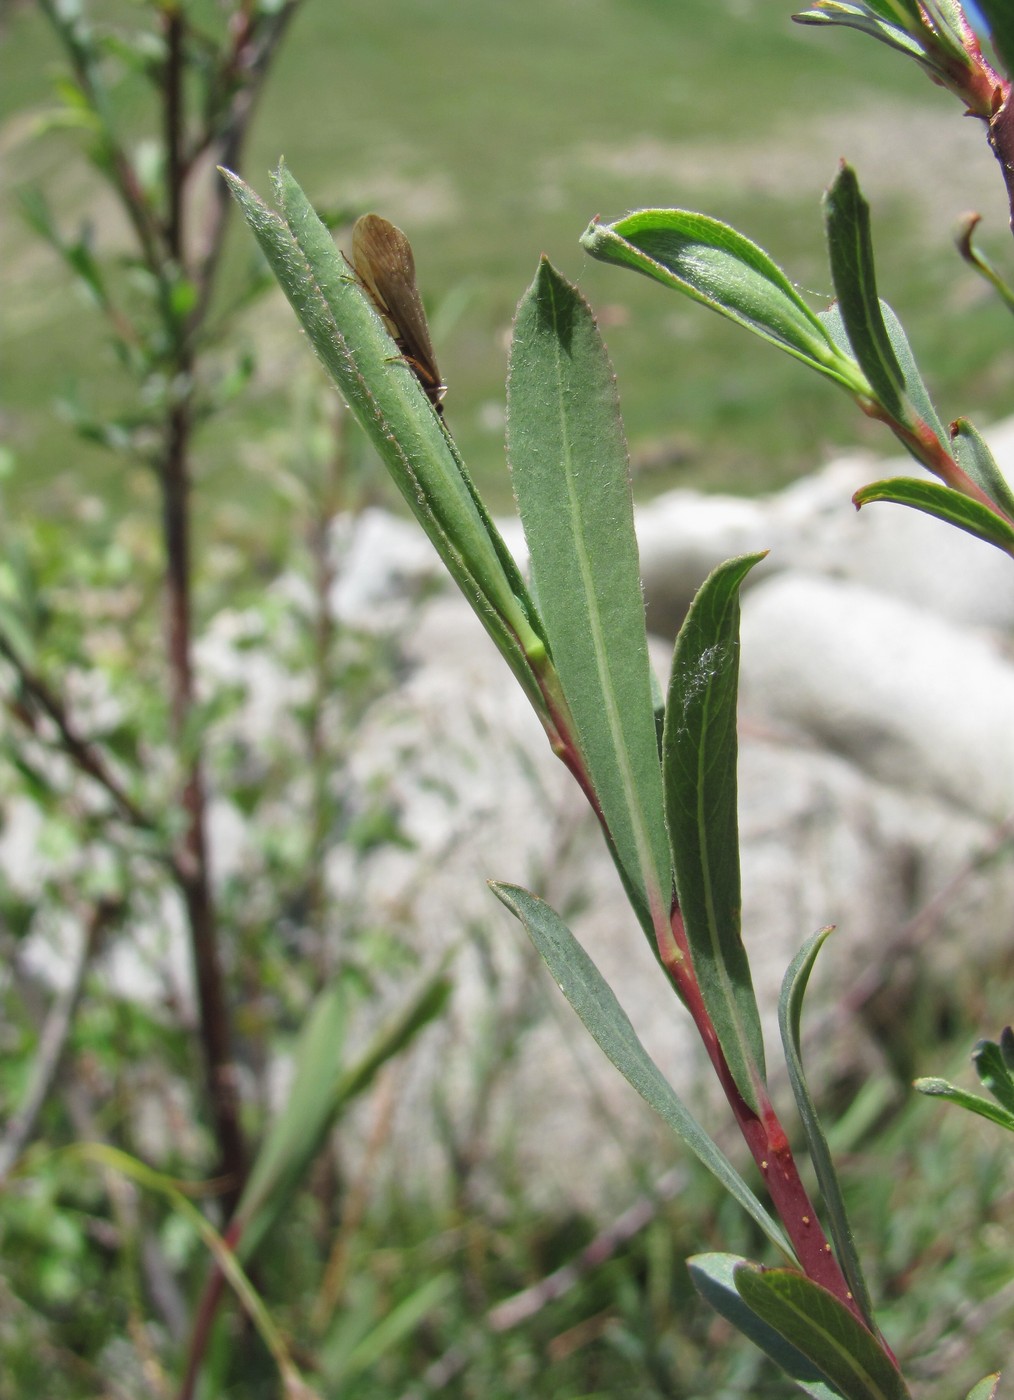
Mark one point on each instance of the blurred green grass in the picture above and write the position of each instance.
(493, 134)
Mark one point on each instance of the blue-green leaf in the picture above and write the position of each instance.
(596, 1004)
(569, 467)
(790, 1007)
(713, 1277)
(811, 1319)
(699, 750)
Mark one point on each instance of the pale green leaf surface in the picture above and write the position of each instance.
(986, 1389)
(713, 264)
(953, 507)
(811, 1319)
(596, 1004)
(790, 1006)
(712, 1276)
(569, 468)
(699, 752)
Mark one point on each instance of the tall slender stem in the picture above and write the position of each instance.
(192, 859)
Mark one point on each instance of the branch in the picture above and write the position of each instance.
(53, 1039)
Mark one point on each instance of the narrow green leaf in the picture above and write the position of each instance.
(399, 1323)
(568, 460)
(790, 1006)
(973, 455)
(850, 246)
(322, 1085)
(387, 399)
(915, 390)
(974, 1103)
(817, 1324)
(933, 498)
(1000, 17)
(596, 1004)
(861, 17)
(987, 1057)
(713, 1277)
(395, 1035)
(699, 749)
(986, 1389)
(1007, 1047)
(228, 1262)
(713, 264)
(978, 260)
(903, 12)
(297, 1131)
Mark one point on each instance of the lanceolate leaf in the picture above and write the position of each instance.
(325, 1078)
(987, 1057)
(861, 17)
(810, 1318)
(977, 259)
(973, 454)
(850, 246)
(713, 1277)
(594, 1001)
(699, 749)
(986, 1389)
(1000, 18)
(790, 1007)
(712, 263)
(975, 1103)
(568, 464)
(386, 397)
(915, 390)
(933, 498)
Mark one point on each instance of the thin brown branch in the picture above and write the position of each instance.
(255, 43)
(53, 1039)
(36, 695)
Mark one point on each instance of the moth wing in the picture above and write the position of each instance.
(383, 261)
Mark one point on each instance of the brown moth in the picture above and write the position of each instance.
(382, 261)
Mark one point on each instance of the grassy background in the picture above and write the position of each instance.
(493, 134)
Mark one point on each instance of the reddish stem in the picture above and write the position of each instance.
(765, 1138)
(763, 1132)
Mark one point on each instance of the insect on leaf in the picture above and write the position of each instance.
(383, 261)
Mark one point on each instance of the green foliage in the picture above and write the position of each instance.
(699, 748)
(568, 461)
